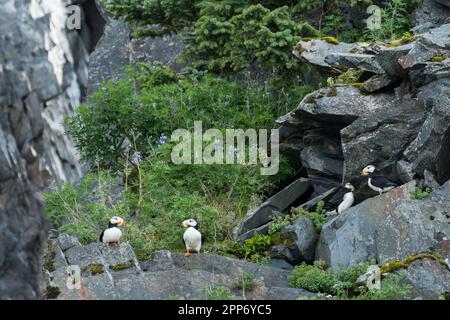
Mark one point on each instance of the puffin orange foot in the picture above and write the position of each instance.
(187, 254)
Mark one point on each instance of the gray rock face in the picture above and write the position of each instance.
(43, 70)
(257, 220)
(112, 272)
(388, 227)
(117, 49)
(431, 148)
(429, 14)
(301, 237)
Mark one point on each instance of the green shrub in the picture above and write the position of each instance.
(420, 194)
(218, 293)
(318, 216)
(341, 284)
(254, 248)
(131, 115)
(244, 282)
(314, 278)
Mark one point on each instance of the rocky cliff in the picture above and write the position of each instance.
(43, 76)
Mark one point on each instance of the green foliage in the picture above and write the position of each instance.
(314, 278)
(392, 288)
(253, 249)
(341, 284)
(318, 216)
(420, 194)
(170, 15)
(69, 207)
(243, 37)
(218, 293)
(244, 282)
(394, 20)
(348, 78)
(130, 115)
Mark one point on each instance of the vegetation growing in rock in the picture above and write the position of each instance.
(218, 293)
(49, 258)
(405, 263)
(317, 216)
(341, 284)
(52, 292)
(254, 249)
(121, 266)
(420, 194)
(228, 36)
(244, 282)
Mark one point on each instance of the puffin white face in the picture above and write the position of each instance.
(349, 186)
(189, 223)
(368, 170)
(118, 221)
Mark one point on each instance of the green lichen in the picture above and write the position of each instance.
(52, 292)
(121, 266)
(49, 259)
(405, 263)
(331, 40)
(406, 38)
(438, 58)
(97, 268)
(298, 47)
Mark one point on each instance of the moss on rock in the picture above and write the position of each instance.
(405, 263)
(121, 266)
(52, 292)
(49, 258)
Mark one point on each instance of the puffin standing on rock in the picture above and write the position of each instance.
(342, 199)
(192, 238)
(113, 233)
(376, 181)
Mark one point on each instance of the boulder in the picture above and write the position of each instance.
(387, 228)
(428, 278)
(315, 52)
(299, 242)
(430, 150)
(112, 272)
(429, 14)
(255, 220)
(366, 62)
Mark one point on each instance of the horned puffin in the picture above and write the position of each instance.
(342, 199)
(192, 238)
(113, 233)
(376, 181)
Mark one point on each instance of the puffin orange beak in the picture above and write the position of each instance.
(121, 222)
(365, 172)
(353, 189)
(184, 224)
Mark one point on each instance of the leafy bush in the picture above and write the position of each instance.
(318, 216)
(394, 20)
(218, 293)
(255, 249)
(341, 284)
(314, 278)
(132, 115)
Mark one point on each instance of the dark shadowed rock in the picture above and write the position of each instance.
(299, 240)
(272, 208)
